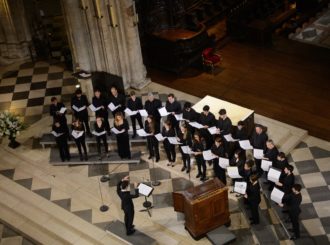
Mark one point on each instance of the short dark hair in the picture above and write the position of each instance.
(206, 108)
(170, 95)
(222, 112)
(254, 177)
(168, 122)
(53, 99)
(297, 187)
(290, 168)
(97, 89)
(124, 184)
(281, 154)
(187, 105)
(241, 123)
(250, 163)
(218, 139)
(78, 91)
(132, 93)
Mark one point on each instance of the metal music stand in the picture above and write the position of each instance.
(146, 191)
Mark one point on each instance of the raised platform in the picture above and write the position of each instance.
(93, 158)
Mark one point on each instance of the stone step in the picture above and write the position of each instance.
(15, 240)
(44, 221)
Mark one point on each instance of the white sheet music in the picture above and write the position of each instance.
(186, 149)
(62, 110)
(265, 164)
(93, 108)
(240, 187)
(277, 195)
(229, 138)
(173, 141)
(258, 153)
(142, 133)
(143, 113)
(130, 112)
(212, 130)
(112, 107)
(208, 155)
(84, 75)
(144, 189)
(233, 172)
(223, 162)
(179, 117)
(274, 174)
(160, 137)
(163, 112)
(98, 134)
(116, 131)
(56, 134)
(196, 125)
(245, 144)
(77, 134)
(78, 109)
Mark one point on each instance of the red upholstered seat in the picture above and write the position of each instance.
(210, 58)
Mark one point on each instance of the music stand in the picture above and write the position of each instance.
(146, 191)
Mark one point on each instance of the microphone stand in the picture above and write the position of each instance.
(103, 207)
(155, 182)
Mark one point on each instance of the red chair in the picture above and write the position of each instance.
(210, 58)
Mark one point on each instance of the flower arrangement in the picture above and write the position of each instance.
(10, 125)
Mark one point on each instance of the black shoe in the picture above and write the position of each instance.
(188, 170)
(294, 238)
(157, 159)
(63, 159)
(81, 157)
(68, 159)
(100, 157)
(254, 223)
(198, 175)
(203, 178)
(183, 168)
(86, 157)
(149, 157)
(231, 192)
(133, 136)
(130, 232)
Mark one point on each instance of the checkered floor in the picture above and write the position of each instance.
(28, 90)
(312, 169)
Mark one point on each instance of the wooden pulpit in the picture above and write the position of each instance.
(205, 207)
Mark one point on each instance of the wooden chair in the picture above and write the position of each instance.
(210, 58)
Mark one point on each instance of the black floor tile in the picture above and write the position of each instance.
(142, 165)
(84, 214)
(27, 183)
(163, 200)
(27, 65)
(301, 145)
(159, 174)
(98, 169)
(326, 176)
(9, 173)
(64, 203)
(40, 70)
(69, 81)
(36, 101)
(7, 89)
(181, 184)
(318, 194)
(319, 152)
(116, 177)
(10, 74)
(307, 211)
(53, 91)
(55, 76)
(45, 193)
(38, 85)
(20, 95)
(306, 167)
(22, 80)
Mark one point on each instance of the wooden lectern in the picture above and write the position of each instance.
(205, 207)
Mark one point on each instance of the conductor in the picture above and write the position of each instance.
(127, 205)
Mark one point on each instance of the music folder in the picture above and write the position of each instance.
(240, 187)
(145, 190)
(277, 195)
(274, 174)
(62, 110)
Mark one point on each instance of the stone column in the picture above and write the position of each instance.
(14, 32)
(97, 45)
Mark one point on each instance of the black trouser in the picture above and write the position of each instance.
(133, 120)
(258, 166)
(185, 159)
(254, 212)
(128, 219)
(170, 151)
(83, 117)
(201, 165)
(63, 147)
(80, 142)
(219, 172)
(98, 143)
(295, 223)
(153, 146)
